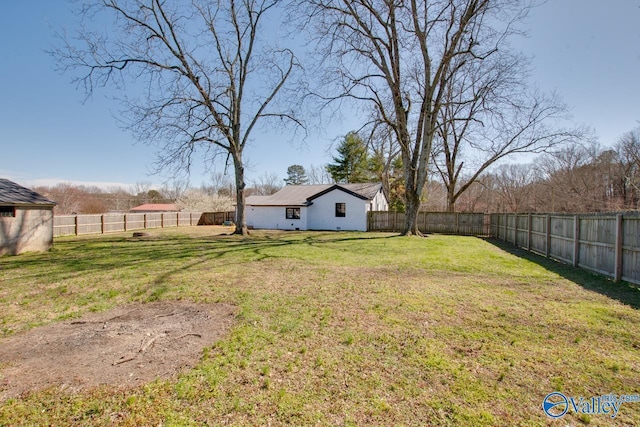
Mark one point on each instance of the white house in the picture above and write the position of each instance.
(316, 207)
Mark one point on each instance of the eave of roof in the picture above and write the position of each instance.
(12, 194)
(337, 187)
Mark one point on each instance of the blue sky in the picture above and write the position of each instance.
(586, 50)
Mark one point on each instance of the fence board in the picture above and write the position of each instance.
(561, 238)
(522, 234)
(539, 234)
(631, 252)
(597, 244)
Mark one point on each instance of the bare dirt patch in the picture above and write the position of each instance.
(124, 347)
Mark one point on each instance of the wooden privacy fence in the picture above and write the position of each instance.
(216, 218)
(468, 224)
(95, 224)
(608, 244)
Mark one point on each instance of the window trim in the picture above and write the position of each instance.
(290, 213)
(341, 210)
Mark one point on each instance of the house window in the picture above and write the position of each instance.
(293, 213)
(341, 209)
(7, 211)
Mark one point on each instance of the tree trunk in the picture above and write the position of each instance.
(241, 221)
(412, 206)
(451, 199)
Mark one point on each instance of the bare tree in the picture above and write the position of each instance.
(628, 148)
(572, 180)
(266, 184)
(513, 185)
(480, 196)
(208, 73)
(174, 190)
(141, 190)
(489, 115)
(221, 184)
(198, 200)
(399, 57)
(318, 175)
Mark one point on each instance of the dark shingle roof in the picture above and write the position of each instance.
(302, 195)
(14, 194)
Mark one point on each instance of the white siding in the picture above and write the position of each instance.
(274, 218)
(322, 213)
(30, 230)
(379, 203)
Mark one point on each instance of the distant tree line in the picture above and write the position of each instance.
(80, 199)
(218, 195)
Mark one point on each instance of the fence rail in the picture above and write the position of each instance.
(66, 225)
(608, 244)
(468, 224)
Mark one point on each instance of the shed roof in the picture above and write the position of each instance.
(15, 194)
(303, 195)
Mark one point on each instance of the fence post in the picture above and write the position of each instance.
(548, 236)
(145, 221)
(125, 222)
(424, 217)
(506, 227)
(617, 274)
(515, 230)
(576, 240)
(101, 224)
(162, 220)
(529, 231)
(75, 223)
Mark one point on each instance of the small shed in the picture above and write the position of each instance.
(26, 220)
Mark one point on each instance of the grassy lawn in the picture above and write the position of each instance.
(339, 329)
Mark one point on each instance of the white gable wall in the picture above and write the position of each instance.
(322, 213)
(274, 218)
(379, 202)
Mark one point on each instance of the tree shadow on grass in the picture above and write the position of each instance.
(163, 256)
(624, 292)
(116, 252)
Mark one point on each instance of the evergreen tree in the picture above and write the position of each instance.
(296, 175)
(352, 163)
